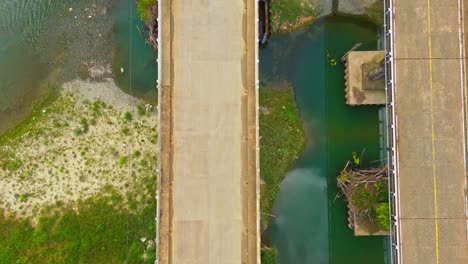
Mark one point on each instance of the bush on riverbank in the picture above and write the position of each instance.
(282, 140)
(289, 15)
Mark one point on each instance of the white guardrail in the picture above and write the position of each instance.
(392, 138)
(158, 210)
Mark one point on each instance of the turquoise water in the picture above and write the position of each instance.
(132, 53)
(311, 224)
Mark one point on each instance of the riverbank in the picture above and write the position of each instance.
(84, 162)
(282, 140)
(291, 15)
(76, 142)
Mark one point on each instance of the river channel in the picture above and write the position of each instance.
(310, 226)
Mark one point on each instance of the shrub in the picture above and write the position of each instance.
(382, 215)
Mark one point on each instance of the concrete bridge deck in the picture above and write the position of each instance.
(429, 106)
(208, 181)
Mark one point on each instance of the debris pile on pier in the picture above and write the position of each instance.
(366, 193)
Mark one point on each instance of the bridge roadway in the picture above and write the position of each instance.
(208, 171)
(430, 103)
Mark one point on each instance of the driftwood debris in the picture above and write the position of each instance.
(364, 189)
(355, 47)
(153, 28)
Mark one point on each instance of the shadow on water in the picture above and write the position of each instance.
(311, 224)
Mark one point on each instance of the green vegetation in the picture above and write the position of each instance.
(24, 196)
(102, 232)
(382, 215)
(113, 226)
(125, 130)
(282, 140)
(38, 114)
(122, 161)
(144, 9)
(289, 15)
(127, 117)
(141, 110)
(366, 191)
(268, 255)
(11, 164)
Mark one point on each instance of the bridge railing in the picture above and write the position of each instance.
(392, 137)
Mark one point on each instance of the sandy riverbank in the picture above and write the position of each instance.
(91, 137)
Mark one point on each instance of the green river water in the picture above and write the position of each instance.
(310, 226)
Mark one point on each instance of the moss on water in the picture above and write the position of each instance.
(282, 140)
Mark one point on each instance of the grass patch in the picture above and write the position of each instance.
(11, 164)
(38, 115)
(127, 117)
(122, 161)
(102, 232)
(141, 110)
(374, 13)
(282, 140)
(289, 15)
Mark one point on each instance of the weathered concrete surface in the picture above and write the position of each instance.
(431, 139)
(208, 138)
(355, 90)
